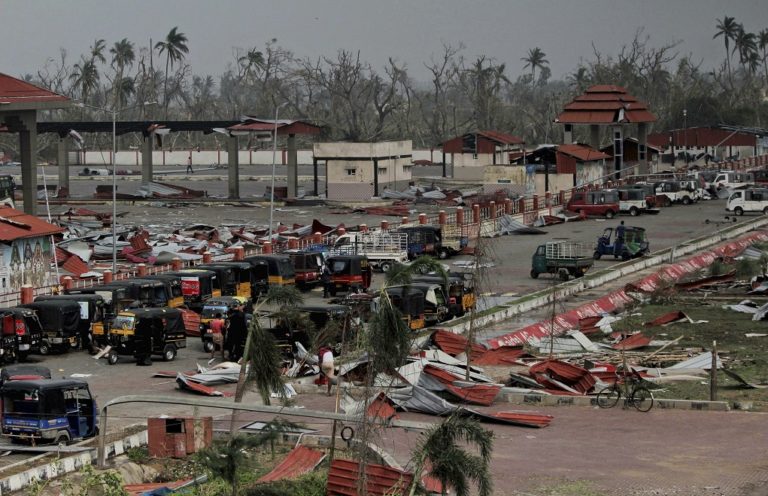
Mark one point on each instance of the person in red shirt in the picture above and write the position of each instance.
(217, 334)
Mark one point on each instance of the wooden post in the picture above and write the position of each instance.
(713, 374)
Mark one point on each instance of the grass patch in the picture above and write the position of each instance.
(748, 357)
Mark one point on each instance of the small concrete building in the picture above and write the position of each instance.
(562, 167)
(471, 153)
(359, 171)
(25, 250)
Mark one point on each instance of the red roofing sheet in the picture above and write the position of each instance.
(587, 116)
(14, 90)
(479, 394)
(606, 88)
(633, 342)
(601, 105)
(579, 105)
(582, 152)
(503, 138)
(139, 245)
(75, 265)
(191, 322)
(455, 344)
(569, 374)
(139, 489)
(706, 281)
(343, 479)
(668, 318)
(15, 224)
(382, 407)
(61, 255)
(187, 385)
(299, 461)
(526, 419)
(506, 355)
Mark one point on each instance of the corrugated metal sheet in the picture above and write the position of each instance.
(524, 419)
(140, 489)
(702, 361)
(582, 152)
(705, 281)
(75, 266)
(573, 376)
(506, 355)
(455, 344)
(478, 394)
(633, 342)
(15, 224)
(300, 460)
(668, 318)
(344, 475)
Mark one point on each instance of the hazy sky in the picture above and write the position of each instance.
(410, 31)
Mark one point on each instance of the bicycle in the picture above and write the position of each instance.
(631, 388)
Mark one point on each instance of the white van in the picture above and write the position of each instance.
(748, 200)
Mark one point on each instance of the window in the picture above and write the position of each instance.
(351, 172)
(382, 170)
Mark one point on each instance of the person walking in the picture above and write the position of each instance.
(217, 336)
(618, 246)
(327, 366)
(237, 333)
(325, 279)
(189, 164)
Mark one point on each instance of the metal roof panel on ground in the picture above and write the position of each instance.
(299, 461)
(343, 477)
(701, 362)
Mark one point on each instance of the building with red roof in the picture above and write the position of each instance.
(25, 250)
(471, 153)
(612, 107)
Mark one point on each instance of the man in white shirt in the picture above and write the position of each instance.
(327, 366)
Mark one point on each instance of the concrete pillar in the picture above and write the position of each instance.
(141, 270)
(176, 264)
(292, 167)
(404, 221)
(27, 294)
(28, 154)
(562, 198)
(363, 227)
(266, 248)
(233, 168)
(642, 148)
(384, 225)
(422, 219)
(535, 202)
(239, 253)
(521, 205)
(493, 210)
(508, 206)
(341, 231)
(459, 216)
(442, 218)
(146, 159)
(317, 238)
(293, 244)
(475, 213)
(107, 276)
(314, 176)
(62, 160)
(207, 257)
(618, 150)
(594, 136)
(66, 282)
(568, 134)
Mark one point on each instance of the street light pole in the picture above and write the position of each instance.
(114, 191)
(685, 135)
(274, 159)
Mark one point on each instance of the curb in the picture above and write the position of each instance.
(68, 464)
(560, 400)
(664, 404)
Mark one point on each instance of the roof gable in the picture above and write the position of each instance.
(15, 224)
(605, 104)
(16, 91)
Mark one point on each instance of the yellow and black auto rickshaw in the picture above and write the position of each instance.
(410, 303)
(143, 332)
(351, 273)
(173, 288)
(93, 312)
(60, 321)
(279, 268)
(197, 286)
(234, 277)
(308, 266)
(459, 290)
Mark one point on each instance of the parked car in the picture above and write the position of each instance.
(602, 203)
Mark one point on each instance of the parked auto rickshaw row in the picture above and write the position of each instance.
(85, 317)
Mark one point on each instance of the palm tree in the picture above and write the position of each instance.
(85, 76)
(727, 28)
(254, 59)
(762, 42)
(122, 56)
(745, 43)
(97, 51)
(536, 58)
(579, 79)
(174, 46)
(442, 446)
(123, 88)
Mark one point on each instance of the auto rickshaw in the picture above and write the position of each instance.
(410, 303)
(633, 243)
(461, 294)
(350, 273)
(222, 305)
(126, 293)
(239, 281)
(279, 268)
(143, 332)
(9, 342)
(26, 325)
(93, 311)
(173, 288)
(60, 321)
(46, 411)
(197, 286)
(308, 266)
(435, 302)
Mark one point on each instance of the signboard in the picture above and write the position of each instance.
(190, 286)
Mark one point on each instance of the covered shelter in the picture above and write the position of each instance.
(20, 103)
(721, 141)
(282, 127)
(609, 106)
(475, 150)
